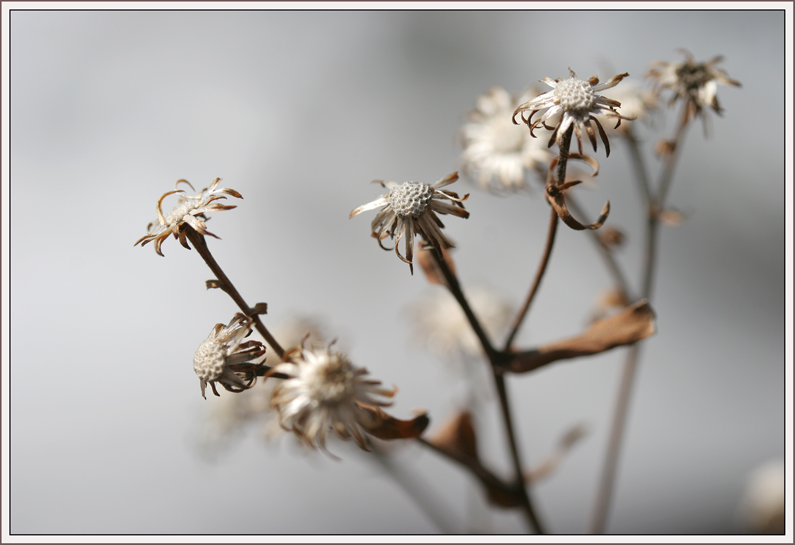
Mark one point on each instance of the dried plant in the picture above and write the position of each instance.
(317, 394)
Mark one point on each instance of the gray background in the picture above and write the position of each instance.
(299, 111)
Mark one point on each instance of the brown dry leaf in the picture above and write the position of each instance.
(430, 267)
(388, 427)
(457, 435)
(611, 237)
(671, 217)
(629, 326)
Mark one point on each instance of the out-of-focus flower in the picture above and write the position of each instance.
(190, 211)
(636, 103)
(223, 357)
(577, 102)
(409, 209)
(762, 507)
(694, 83)
(498, 155)
(441, 325)
(326, 392)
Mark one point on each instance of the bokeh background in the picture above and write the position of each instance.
(299, 111)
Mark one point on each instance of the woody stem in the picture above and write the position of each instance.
(200, 244)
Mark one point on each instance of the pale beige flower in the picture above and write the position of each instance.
(409, 209)
(326, 392)
(694, 83)
(224, 358)
(190, 211)
(497, 154)
(578, 105)
(763, 504)
(637, 102)
(440, 324)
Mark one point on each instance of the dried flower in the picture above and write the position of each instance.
(190, 211)
(325, 392)
(230, 413)
(409, 209)
(497, 155)
(224, 358)
(694, 83)
(578, 103)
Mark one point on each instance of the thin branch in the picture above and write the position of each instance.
(527, 505)
(563, 160)
(455, 288)
(542, 267)
(655, 204)
(200, 244)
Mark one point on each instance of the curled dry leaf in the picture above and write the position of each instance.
(388, 427)
(429, 265)
(457, 436)
(555, 194)
(629, 326)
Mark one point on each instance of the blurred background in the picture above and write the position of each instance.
(299, 111)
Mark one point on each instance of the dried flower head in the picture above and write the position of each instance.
(577, 102)
(498, 155)
(694, 83)
(326, 392)
(229, 414)
(223, 357)
(410, 208)
(190, 211)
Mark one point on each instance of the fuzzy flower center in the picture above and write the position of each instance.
(179, 212)
(506, 139)
(329, 380)
(693, 76)
(209, 360)
(410, 199)
(575, 95)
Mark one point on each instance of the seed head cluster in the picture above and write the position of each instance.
(410, 199)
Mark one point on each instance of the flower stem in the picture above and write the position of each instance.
(527, 505)
(563, 160)
(542, 267)
(455, 288)
(654, 205)
(200, 244)
(495, 358)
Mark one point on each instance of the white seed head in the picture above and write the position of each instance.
(575, 95)
(330, 380)
(209, 360)
(410, 199)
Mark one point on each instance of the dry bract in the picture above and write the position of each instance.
(190, 211)
(577, 102)
(498, 155)
(409, 209)
(223, 357)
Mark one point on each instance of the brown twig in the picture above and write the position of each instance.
(225, 284)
